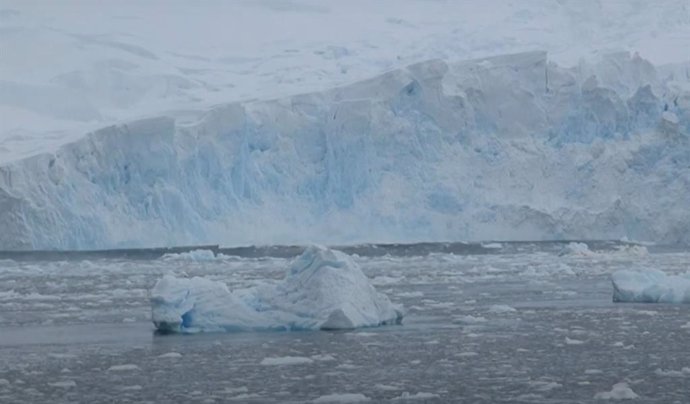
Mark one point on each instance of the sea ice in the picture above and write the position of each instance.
(64, 384)
(123, 368)
(194, 255)
(651, 286)
(417, 396)
(342, 398)
(577, 249)
(170, 355)
(502, 308)
(286, 360)
(619, 391)
(684, 372)
(322, 289)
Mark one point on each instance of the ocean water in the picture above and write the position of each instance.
(491, 323)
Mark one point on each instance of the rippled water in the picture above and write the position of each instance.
(500, 323)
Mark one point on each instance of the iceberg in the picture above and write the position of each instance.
(650, 286)
(576, 249)
(323, 289)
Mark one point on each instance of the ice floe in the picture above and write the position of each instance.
(619, 391)
(651, 286)
(342, 398)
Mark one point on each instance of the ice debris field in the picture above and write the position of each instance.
(486, 323)
(325, 289)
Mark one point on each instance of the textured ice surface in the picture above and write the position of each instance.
(510, 147)
(322, 289)
(650, 286)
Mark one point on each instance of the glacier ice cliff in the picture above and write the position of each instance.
(322, 289)
(511, 147)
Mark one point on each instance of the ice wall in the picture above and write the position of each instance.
(511, 147)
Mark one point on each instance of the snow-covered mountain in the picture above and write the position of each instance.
(510, 147)
(72, 66)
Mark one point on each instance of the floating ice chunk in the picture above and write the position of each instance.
(545, 386)
(684, 372)
(64, 384)
(385, 387)
(470, 319)
(194, 255)
(170, 355)
(417, 396)
(342, 398)
(570, 341)
(286, 360)
(244, 397)
(385, 280)
(670, 117)
(650, 286)
(61, 355)
(637, 250)
(123, 368)
(323, 357)
(502, 308)
(577, 249)
(322, 289)
(235, 390)
(620, 391)
(411, 294)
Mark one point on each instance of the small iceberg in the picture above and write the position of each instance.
(323, 289)
(650, 286)
(576, 250)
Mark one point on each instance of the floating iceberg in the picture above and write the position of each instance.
(322, 289)
(577, 249)
(650, 287)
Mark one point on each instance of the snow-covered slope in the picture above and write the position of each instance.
(73, 66)
(511, 147)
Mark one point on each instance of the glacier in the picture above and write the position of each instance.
(650, 286)
(108, 64)
(322, 289)
(511, 147)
